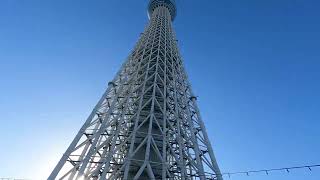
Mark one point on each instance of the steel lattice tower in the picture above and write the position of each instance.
(146, 125)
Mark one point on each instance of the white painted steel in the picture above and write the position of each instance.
(147, 124)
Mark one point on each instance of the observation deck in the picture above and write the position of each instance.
(170, 4)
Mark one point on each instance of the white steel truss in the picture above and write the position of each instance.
(147, 125)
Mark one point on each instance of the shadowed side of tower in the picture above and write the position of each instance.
(147, 124)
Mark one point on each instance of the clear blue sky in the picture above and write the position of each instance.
(255, 66)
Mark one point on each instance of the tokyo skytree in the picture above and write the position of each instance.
(147, 125)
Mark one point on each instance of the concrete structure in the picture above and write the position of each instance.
(147, 125)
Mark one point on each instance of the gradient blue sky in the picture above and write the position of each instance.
(255, 65)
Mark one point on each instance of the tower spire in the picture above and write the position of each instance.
(147, 125)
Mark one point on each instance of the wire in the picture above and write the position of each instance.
(229, 174)
(267, 171)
